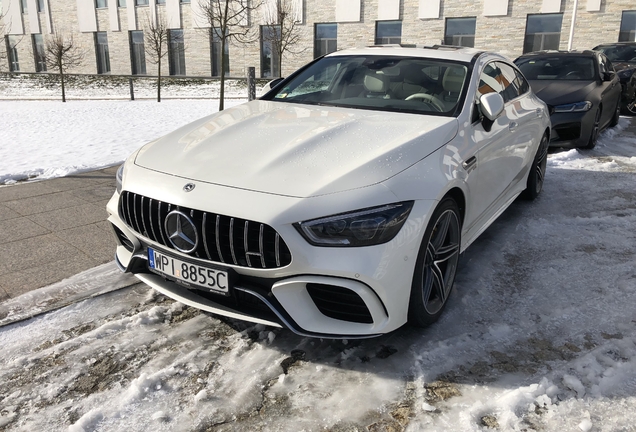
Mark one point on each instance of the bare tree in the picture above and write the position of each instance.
(157, 43)
(284, 31)
(4, 27)
(227, 21)
(63, 52)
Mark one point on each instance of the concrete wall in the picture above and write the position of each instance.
(500, 26)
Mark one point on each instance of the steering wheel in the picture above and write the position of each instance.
(438, 104)
(573, 75)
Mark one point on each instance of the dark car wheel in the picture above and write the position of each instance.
(591, 143)
(536, 176)
(436, 265)
(617, 115)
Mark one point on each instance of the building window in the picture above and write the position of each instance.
(101, 52)
(176, 53)
(23, 6)
(388, 32)
(12, 53)
(100, 4)
(185, 1)
(460, 31)
(215, 54)
(121, 3)
(38, 53)
(141, 2)
(628, 27)
(40, 4)
(543, 32)
(161, 1)
(326, 39)
(137, 53)
(269, 54)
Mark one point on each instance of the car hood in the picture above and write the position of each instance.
(623, 65)
(297, 150)
(558, 92)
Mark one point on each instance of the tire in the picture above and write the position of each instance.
(591, 143)
(617, 115)
(436, 265)
(536, 176)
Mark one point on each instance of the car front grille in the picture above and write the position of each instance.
(223, 239)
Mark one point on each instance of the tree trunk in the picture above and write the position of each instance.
(62, 81)
(222, 91)
(159, 81)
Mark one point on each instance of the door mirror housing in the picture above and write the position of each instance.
(491, 105)
(608, 76)
(274, 83)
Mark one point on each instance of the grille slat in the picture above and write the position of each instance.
(222, 238)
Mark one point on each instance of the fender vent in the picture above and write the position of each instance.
(339, 303)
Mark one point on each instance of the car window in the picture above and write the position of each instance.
(508, 81)
(489, 80)
(565, 67)
(624, 54)
(400, 84)
(609, 67)
(522, 83)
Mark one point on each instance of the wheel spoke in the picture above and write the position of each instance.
(438, 283)
(540, 173)
(445, 253)
(441, 230)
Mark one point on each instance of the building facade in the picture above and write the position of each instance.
(113, 33)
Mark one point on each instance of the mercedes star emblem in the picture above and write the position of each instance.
(182, 232)
(189, 187)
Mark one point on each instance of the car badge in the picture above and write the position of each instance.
(182, 232)
(189, 187)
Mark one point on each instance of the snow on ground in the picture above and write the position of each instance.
(45, 139)
(539, 334)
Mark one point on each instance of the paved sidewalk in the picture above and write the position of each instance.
(53, 229)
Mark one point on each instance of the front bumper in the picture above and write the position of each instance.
(572, 130)
(323, 292)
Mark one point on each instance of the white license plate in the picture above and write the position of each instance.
(189, 274)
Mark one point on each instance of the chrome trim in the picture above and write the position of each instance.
(135, 210)
(247, 257)
(152, 227)
(165, 243)
(260, 246)
(232, 241)
(205, 237)
(143, 219)
(277, 249)
(216, 235)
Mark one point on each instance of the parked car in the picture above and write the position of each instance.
(338, 204)
(582, 90)
(623, 57)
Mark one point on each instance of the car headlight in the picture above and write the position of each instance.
(625, 73)
(574, 107)
(365, 227)
(119, 177)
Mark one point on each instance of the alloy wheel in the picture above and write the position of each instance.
(542, 163)
(440, 265)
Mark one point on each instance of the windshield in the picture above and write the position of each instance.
(558, 68)
(400, 84)
(623, 54)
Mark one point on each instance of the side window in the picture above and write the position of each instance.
(523, 85)
(602, 64)
(508, 79)
(608, 64)
(489, 82)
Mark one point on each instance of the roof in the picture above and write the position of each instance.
(443, 52)
(557, 53)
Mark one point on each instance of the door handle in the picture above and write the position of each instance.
(470, 164)
(513, 125)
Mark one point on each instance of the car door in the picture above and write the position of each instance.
(502, 145)
(610, 90)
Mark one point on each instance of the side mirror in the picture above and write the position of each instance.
(274, 83)
(491, 105)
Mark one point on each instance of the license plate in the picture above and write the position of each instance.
(188, 274)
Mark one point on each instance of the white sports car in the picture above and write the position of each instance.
(338, 204)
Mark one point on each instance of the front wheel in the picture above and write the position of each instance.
(536, 176)
(436, 265)
(591, 143)
(617, 115)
